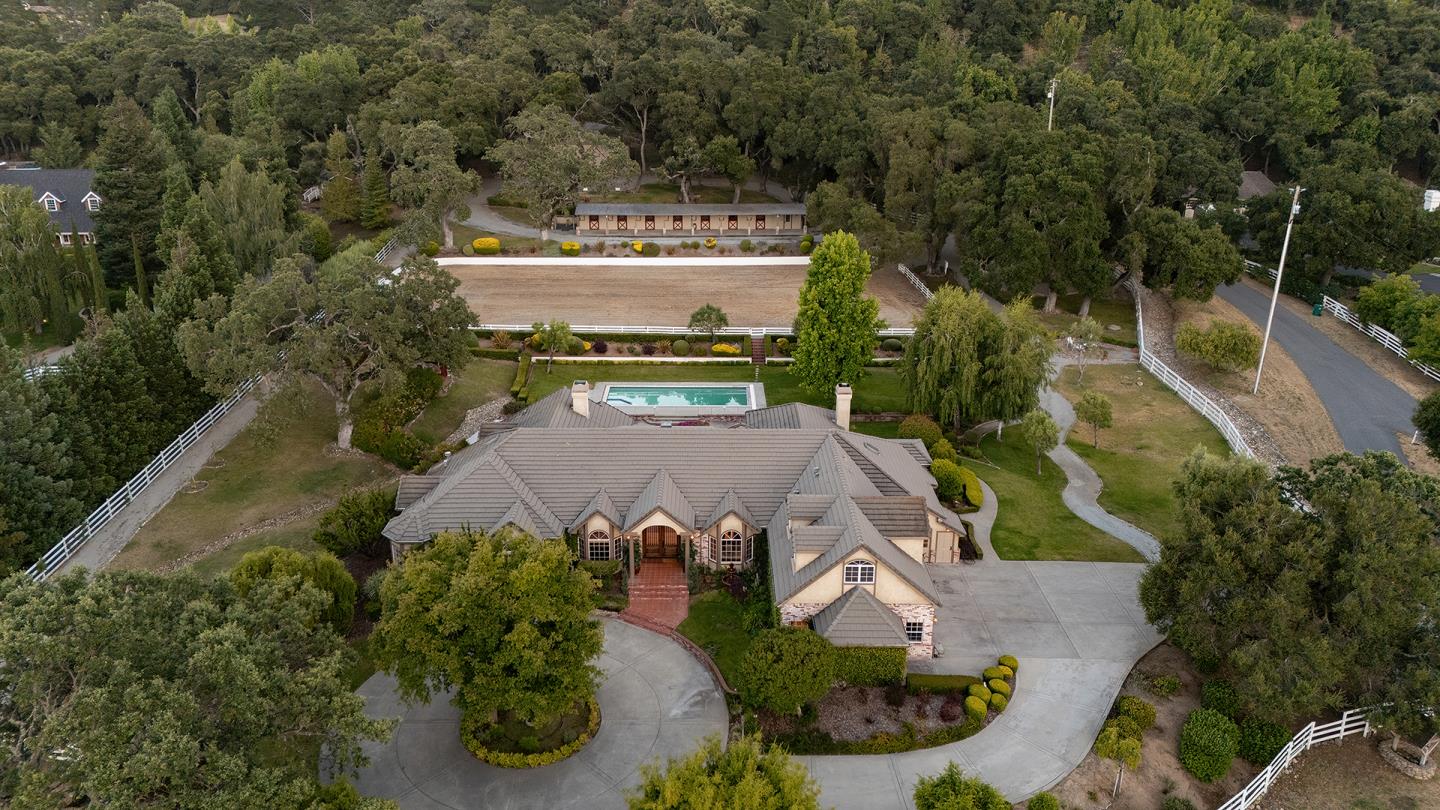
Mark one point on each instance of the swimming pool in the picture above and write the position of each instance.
(683, 399)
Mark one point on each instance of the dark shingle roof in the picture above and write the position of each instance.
(70, 185)
(858, 619)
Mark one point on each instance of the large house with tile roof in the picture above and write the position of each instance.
(850, 520)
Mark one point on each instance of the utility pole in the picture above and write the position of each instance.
(1050, 94)
(1279, 274)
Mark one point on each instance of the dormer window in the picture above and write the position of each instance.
(51, 202)
(92, 202)
(859, 572)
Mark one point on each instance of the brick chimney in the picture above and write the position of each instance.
(580, 398)
(842, 405)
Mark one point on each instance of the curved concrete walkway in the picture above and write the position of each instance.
(656, 701)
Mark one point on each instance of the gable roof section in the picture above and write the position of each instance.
(896, 515)
(599, 505)
(791, 416)
(414, 487)
(866, 462)
(858, 619)
(729, 504)
(547, 519)
(663, 494)
(917, 450)
(69, 186)
(519, 517)
(555, 410)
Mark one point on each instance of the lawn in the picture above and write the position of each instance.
(715, 624)
(464, 234)
(296, 534)
(1140, 456)
(885, 430)
(1032, 522)
(879, 391)
(253, 480)
(1424, 267)
(1119, 311)
(670, 193)
(481, 381)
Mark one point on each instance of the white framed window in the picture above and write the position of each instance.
(598, 546)
(732, 547)
(64, 238)
(51, 204)
(859, 572)
(93, 203)
(914, 632)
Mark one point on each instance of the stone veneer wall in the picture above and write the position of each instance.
(919, 613)
(792, 612)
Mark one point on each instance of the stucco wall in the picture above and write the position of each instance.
(889, 587)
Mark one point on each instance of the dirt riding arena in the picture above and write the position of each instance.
(751, 295)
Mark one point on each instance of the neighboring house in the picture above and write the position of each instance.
(679, 219)
(850, 519)
(65, 194)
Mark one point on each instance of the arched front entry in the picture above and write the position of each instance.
(660, 542)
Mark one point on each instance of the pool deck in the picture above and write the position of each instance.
(755, 391)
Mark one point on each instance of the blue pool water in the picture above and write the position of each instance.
(708, 396)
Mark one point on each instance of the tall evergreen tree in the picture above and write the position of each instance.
(130, 177)
(198, 266)
(59, 148)
(181, 397)
(142, 282)
(173, 207)
(172, 127)
(375, 199)
(37, 504)
(115, 399)
(341, 199)
(835, 327)
(250, 210)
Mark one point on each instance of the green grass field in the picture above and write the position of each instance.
(464, 234)
(296, 534)
(1032, 522)
(1119, 311)
(481, 381)
(715, 625)
(878, 391)
(1140, 456)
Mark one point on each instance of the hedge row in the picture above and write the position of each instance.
(938, 684)
(870, 666)
(1208, 743)
(819, 742)
(521, 374)
(496, 354)
(506, 759)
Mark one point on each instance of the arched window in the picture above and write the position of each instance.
(732, 547)
(598, 545)
(859, 572)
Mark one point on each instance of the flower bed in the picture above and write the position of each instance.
(518, 759)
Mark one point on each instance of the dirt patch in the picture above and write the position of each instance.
(1159, 774)
(1287, 406)
(1418, 456)
(1348, 775)
(856, 713)
(762, 295)
(1376, 356)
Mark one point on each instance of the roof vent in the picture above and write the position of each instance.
(667, 424)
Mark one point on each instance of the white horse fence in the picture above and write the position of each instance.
(915, 280)
(1382, 336)
(632, 329)
(1352, 722)
(76, 538)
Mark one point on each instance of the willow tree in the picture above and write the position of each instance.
(968, 364)
(835, 327)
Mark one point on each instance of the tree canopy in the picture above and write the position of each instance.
(835, 326)
(742, 774)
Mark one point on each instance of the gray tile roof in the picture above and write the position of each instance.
(414, 487)
(792, 416)
(599, 505)
(896, 515)
(663, 494)
(70, 185)
(556, 410)
(728, 504)
(1255, 184)
(697, 209)
(858, 619)
(917, 449)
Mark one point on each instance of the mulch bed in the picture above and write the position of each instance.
(856, 713)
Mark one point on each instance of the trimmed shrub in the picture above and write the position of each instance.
(976, 709)
(1208, 743)
(467, 249)
(355, 522)
(892, 345)
(806, 248)
(1261, 740)
(710, 242)
(979, 690)
(569, 248)
(919, 426)
(637, 246)
(728, 349)
(949, 480)
(1218, 694)
(513, 406)
(999, 687)
(1009, 661)
(650, 249)
(1128, 729)
(991, 673)
(998, 702)
(486, 245)
(944, 451)
(470, 738)
(647, 349)
(870, 666)
(601, 569)
(680, 348)
(431, 248)
(974, 493)
(786, 668)
(600, 347)
(520, 374)
(1223, 346)
(1043, 801)
(1163, 685)
(939, 684)
(746, 245)
(1136, 709)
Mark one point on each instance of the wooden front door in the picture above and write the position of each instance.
(660, 542)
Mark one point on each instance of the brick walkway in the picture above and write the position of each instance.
(660, 593)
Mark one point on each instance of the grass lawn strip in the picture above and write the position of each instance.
(1032, 522)
(1139, 457)
(481, 381)
(716, 626)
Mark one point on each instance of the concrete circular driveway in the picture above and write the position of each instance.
(656, 701)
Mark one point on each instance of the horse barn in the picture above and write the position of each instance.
(680, 219)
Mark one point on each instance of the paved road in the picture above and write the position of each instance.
(1367, 409)
(656, 701)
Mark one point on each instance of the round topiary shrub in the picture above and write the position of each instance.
(1043, 801)
(486, 245)
(650, 249)
(710, 242)
(680, 348)
(979, 690)
(1220, 695)
(944, 451)
(806, 248)
(1005, 672)
(998, 702)
(974, 495)
(892, 345)
(919, 426)
(1010, 661)
(999, 687)
(1128, 729)
(467, 249)
(991, 673)
(1261, 740)
(1208, 743)
(570, 248)
(976, 709)
(949, 483)
(600, 347)
(431, 248)
(1136, 709)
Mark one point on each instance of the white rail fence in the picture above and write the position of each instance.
(76, 538)
(1382, 336)
(915, 280)
(610, 329)
(1192, 395)
(1352, 722)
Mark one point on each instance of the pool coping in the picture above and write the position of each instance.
(599, 392)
